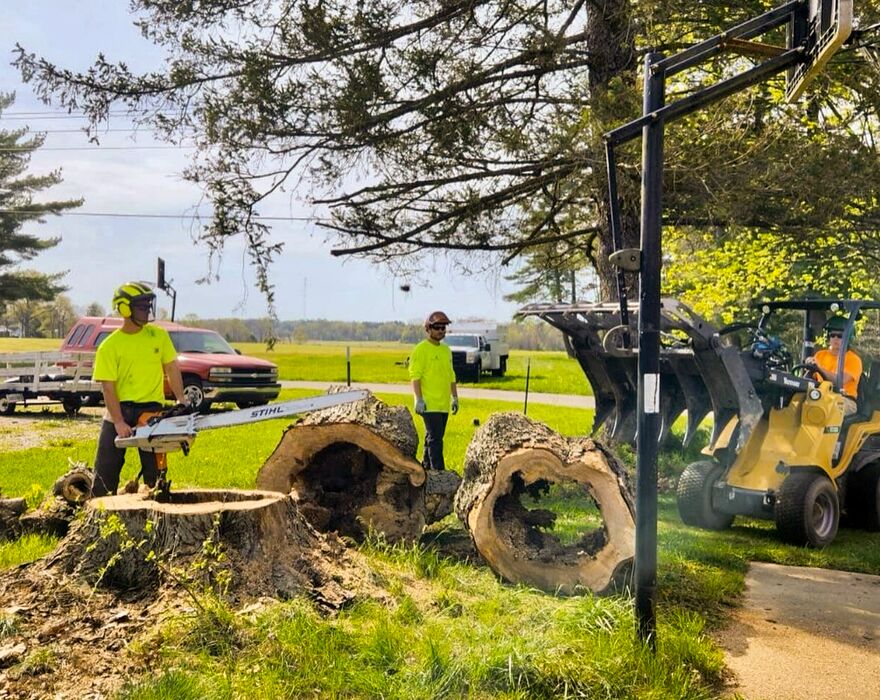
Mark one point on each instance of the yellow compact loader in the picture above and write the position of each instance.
(781, 447)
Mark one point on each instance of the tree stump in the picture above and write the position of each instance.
(243, 543)
(512, 457)
(352, 469)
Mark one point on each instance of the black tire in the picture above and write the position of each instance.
(195, 395)
(478, 370)
(502, 368)
(694, 494)
(7, 407)
(863, 498)
(807, 509)
(71, 405)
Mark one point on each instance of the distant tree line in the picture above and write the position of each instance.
(525, 335)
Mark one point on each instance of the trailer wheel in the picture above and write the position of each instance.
(71, 405)
(7, 407)
(695, 496)
(807, 509)
(195, 395)
(863, 498)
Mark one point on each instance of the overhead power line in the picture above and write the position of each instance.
(20, 149)
(130, 215)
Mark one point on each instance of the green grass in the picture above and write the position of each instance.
(447, 628)
(551, 372)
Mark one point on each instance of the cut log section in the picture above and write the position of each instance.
(352, 469)
(582, 536)
(247, 543)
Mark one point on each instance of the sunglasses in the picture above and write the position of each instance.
(438, 326)
(835, 335)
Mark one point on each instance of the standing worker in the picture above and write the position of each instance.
(131, 364)
(434, 387)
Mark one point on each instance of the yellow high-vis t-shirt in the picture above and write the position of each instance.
(134, 363)
(432, 365)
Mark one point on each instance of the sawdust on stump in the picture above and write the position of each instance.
(352, 469)
(250, 543)
(513, 462)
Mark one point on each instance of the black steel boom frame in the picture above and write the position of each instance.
(650, 125)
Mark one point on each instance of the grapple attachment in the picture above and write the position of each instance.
(699, 371)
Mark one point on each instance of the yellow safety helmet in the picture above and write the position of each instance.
(129, 293)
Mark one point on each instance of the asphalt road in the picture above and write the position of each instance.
(518, 397)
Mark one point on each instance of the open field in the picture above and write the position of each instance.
(551, 372)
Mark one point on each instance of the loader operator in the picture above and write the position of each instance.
(825, 363)
(434, 387)
(131, 364)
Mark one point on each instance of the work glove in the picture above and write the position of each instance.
(454, 405)
(420, 406)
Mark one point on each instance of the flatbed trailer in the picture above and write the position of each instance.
(41, 377)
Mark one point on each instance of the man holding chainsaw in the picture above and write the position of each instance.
(131, 364)
(434, 387)
(825, 363)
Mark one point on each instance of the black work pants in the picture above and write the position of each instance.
(435, 428)
(109, 458)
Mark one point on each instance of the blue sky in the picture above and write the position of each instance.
(128, 174)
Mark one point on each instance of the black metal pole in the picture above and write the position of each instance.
(649, 355)
(348, 365)
(528, 372)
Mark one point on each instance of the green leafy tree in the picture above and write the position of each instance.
(95, 309)
(56, 316)
(476, 125)
(17, 208)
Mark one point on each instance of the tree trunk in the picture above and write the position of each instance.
(512, 456)
(352, 468)
(610, 42)
(241, 543)
(11, 510)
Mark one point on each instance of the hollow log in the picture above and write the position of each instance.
(513, 459)
(242, 543)
(352, 468)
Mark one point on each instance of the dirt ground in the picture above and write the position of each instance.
(805, 633)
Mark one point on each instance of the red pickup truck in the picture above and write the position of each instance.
(212, 370)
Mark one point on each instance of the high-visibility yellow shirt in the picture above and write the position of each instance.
(432, 365)
(134, 363)
(852, 365)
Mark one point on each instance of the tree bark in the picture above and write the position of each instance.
(512, 456)
(241, 543)
(352, 469)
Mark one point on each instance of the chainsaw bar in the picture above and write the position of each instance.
(179, 432)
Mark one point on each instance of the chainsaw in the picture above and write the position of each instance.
(172, 433)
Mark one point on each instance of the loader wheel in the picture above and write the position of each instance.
(807, 509)
(195, 395)
(695, 497)
(863, 498)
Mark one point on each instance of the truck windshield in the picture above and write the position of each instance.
(200, 341)
(471, 341)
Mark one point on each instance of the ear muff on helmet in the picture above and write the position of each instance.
(129, 293)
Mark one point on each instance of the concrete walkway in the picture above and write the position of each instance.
(465, 392)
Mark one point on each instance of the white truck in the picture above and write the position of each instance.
(476, 349)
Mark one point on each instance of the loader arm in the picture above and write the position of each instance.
(699, 371)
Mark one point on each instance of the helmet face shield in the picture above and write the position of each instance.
(436, 318)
